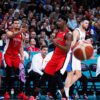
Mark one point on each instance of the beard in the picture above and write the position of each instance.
(84, 27)
(16, 28)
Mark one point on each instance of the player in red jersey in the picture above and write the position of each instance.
(62, 43)
(59, 55)
(14, 55)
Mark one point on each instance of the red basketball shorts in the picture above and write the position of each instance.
(54, 64)
(12, 61)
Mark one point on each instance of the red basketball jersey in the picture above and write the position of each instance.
(58, 56)
(12, 50)
(14, 45)
(61, 35)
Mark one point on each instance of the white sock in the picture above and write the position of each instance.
(66, 91)
(59, 92)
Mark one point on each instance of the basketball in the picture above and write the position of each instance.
(83, 50)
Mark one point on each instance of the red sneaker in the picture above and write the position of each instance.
(63, 99)
(32, 98)
(20, 95)
(6, 96)
(24, 97)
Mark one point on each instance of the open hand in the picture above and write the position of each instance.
(22, 30)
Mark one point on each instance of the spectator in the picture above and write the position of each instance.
(42, 42)
(26, 41)
(39, 11)
(36, 69)
(3, 41)
(32, 47)
(30, 17)
(92, 19)
(78, 20)
(47, 8)
(44, 36)
(1, 15)
(97, 28)
(93, 31)
(34, 23)
(33, 35)
(54, 15)
(51, 45)
(48, 27)
(65, 8)
(6, 6)
(72, 24)
(11, 12)
(22, 14)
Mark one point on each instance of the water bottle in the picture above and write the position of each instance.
(38, 97)
(85, 97)
(94, 95)
(76, 96)
(47, 97)
(12, 93)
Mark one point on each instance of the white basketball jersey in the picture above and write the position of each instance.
(82, 34)
(76, 64)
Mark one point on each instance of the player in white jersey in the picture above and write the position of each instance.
(73, 65)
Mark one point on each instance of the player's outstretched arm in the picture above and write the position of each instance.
(11, 34)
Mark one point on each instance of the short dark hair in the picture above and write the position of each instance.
(63, 17)
(15, 19)
(83, 19)
(43, 46)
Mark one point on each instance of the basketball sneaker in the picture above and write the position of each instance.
(6, 96)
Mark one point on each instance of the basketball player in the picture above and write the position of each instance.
(13, 56)
(62, 43)
(73, 64)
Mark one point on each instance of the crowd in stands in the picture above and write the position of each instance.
(40, 16)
